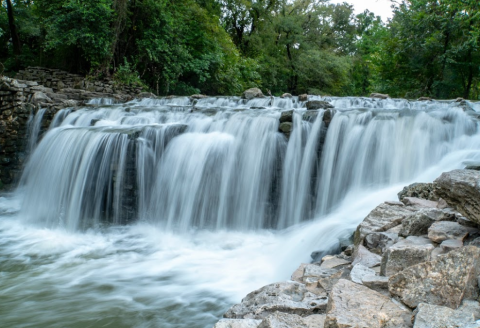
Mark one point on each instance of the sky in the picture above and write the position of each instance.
(379, 7)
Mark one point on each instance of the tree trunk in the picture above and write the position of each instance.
(17, 46)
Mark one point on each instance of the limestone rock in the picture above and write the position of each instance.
(419, 190)
(379, 95)
(404, 254)
(378, 242)
(440, 231)
(353, 305)
(318, 277)
(461, 190)
(359, 271)
(287, 297)
(283, 320)
(286, 95)
(414, 201)
(428, 316)
(198, 96)
(366, 258)
(237, 323)
(286, 116)
(318, 104)
(298, 274)
(330, 262)
(418, 223)
(252, 93)
(303, 97)
(382, 218)
(450, 244)
(315, 320)
(445, 281)
(286, 127)
(377, 283)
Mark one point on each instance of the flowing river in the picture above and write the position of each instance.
(164, 213)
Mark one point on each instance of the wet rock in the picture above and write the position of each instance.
(286, 95)
(237, 323)
(440, 231)
(198, 96)
(424, 99)
(349, 250)
(252, 93)
(461, 190)
(379, 95)
(359, 271)
(318, 104)
(446, 281)
(286, 116)
(382, 218)
(283, 320)
(377, 283)
(142, 95)
(378, 242)
(303, 97)
(419, 190)
(286, 127)
(418, 202)
(353, 305)
(328, 116)
(428, 316)
(366, 258)
(418, 223)
(287, 297)
(404, 254)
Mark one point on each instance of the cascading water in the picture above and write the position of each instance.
(165, 212)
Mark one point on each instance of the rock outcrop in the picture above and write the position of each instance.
(252, 93)
(417, 255)
(318, 104)
(461, 190)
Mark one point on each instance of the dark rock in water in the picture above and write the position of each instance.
(318, 104)
(328, 116)
(472, 166)
(424, 99)
(310, 115)
(379, 96)
(419, 190)
(286, 116)
(252, 93)
(461, 190)
(286, 128)
(303, 97)
(255, 107)
(286, 95)
(446, 281)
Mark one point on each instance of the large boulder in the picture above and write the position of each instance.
(419, 190)
(461, 190)
(353, 305)
(444, 230)
(287, 297)
(318, 104)
(252, 93)
(286, 116)
(303, 97)
(237, 323)
(382, 218)
(446, 281)
(282, 320)
(406, 253)
(418, 223)
(286, 95)
(428, 316)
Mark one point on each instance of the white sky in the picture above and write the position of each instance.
(379, 7)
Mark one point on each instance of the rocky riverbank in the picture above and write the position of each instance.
(413, 263)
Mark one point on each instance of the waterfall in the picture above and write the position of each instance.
(34, 127)
(221, 162)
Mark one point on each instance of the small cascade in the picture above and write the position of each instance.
(221, 163)
(35, 125)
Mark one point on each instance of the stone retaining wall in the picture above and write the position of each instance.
(58, 80)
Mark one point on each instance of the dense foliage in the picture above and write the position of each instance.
(428, 48)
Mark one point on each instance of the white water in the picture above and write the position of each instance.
(211, 182)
